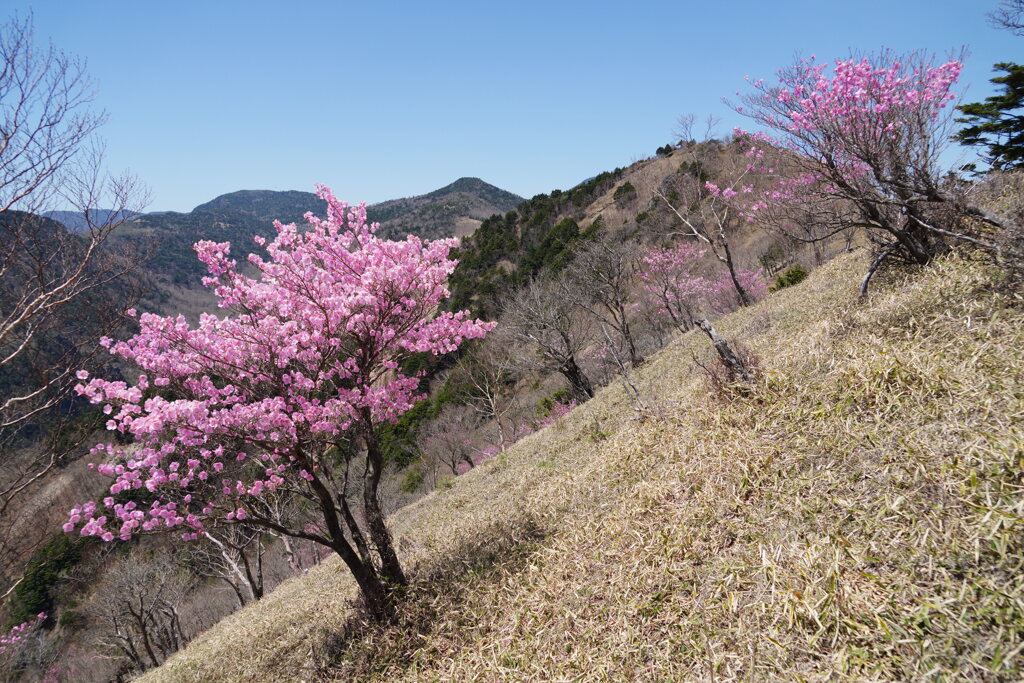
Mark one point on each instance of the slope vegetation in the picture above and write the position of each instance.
(455, 209)
(857, 516)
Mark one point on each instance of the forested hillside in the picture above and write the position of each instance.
(239, 216)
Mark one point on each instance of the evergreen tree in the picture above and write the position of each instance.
(998, 122)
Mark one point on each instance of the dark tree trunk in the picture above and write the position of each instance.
(579, 382)
(744, 297)
(390, 568)
(375, 586)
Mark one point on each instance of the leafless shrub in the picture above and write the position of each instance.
(138, 611)
(59, 290)
(732, 370)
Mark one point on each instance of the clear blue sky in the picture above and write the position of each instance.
(391, 99)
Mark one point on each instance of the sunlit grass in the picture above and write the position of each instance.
(858, 516)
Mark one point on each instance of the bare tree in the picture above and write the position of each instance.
(552, 329)
(448, 438)
(138, 610)
(1009, 14)
(59, 290)
(600, 281)
(487, 376)
(233, 554)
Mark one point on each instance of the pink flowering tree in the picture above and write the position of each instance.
(283, 394)
(671, 280)
(700, 198)
(14, 640)
(722, 296)
(861, 141)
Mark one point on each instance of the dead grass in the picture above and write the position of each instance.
(856, 517)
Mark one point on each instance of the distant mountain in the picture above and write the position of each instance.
(265, 205)
(456, 209)
(75, 221)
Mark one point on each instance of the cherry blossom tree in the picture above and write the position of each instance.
(671, 283)
(862, 140)
(681, 294)
(282, 394)
(12, 644)
(698, 197)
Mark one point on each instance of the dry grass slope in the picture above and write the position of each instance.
(857, 517)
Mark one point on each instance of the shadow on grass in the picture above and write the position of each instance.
(364, 649)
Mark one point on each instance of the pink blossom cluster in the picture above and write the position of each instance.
(866, 98)
(862, 124)
(671, 280)
(558, 410)
(242, 405)
(721, 296)
(11, 640)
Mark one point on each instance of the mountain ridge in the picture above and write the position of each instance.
(453, 210)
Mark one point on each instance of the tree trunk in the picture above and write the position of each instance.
(736, 366)
(744, 297)
(376, 594)
(579, 382)
(375, 591)
(390, 568)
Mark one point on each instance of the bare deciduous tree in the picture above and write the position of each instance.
(553, 329)
(487, 377)
(448, 439)
(233, 554)
(59, 290)
(1009, 14)
(600, 281)
(138, 610)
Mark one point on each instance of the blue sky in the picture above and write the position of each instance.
(390, 99)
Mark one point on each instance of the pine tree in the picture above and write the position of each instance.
(998, 122)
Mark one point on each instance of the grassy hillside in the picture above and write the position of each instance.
(858, 516)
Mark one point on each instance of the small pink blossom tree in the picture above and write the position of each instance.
(670, 280)
(681, 295)
(861, 143)
(283, 394)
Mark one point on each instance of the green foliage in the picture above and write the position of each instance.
(664, 151)
(508, 250)
(547, 404)
(37, 591)
(413, 480)
(773, 258)
(695, 169)
(72, 619)
(997, 123)
(625, 192)
(791, 276)
(398, 441)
